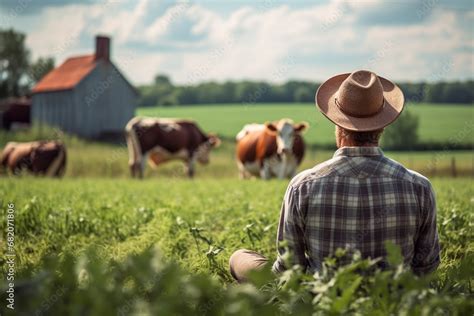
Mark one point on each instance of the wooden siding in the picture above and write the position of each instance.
(101, 103)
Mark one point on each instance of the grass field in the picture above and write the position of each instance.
(194, 223)
(438, 123)
(86, 244)
(92, 159)
(127, 216)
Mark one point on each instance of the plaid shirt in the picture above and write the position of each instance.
(356, 201)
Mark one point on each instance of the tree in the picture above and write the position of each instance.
(13, 62)
(435, 92)
(40, 68)
(403, 133)
(186, 95)
(161, 79)
(457, 92)
(303, 94)
(163, 92)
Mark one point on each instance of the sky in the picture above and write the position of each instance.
(276, 41)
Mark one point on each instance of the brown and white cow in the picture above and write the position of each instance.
(161, 140)
(40, 158)
(273, 149)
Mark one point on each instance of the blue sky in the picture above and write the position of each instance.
(259, 40)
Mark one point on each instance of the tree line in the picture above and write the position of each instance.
(163, 92)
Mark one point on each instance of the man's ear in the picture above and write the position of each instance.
(271, 127)
(301, 127)
(214, 141)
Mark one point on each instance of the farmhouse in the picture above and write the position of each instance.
(86, 95)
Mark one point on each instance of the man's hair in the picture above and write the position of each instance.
(360, 138)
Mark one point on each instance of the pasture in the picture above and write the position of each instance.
(122, 217)
(197, 224)
(90, 238)
(94, 159)
(438, 123)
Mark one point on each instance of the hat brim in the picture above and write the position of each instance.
(393, 106)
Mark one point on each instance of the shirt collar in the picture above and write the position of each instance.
(358, 151)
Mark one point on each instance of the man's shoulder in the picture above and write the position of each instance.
(421, 180)
(389, 169)
(397, 170)
(322, 170)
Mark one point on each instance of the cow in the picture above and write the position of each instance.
(273, 149)
(46, 158)
(15, 112)
(159, 140)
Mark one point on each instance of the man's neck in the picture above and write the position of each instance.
(349, 143)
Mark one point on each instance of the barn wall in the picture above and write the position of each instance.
(53, 109)
(118, 100)
(102, 102)
(107, 101)
(86, 106)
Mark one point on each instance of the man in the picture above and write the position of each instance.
(359, 199)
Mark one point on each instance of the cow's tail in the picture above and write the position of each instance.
(57, 162)
(134, 152)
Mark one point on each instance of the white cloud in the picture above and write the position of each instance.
(163, 24)
(59, 31)
(194, 42)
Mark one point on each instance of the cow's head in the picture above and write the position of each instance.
(285, 131)
(202, 153)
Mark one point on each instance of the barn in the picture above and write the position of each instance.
(86, 95)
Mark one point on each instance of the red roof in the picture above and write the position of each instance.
(68, 75)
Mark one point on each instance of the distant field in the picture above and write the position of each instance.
(438, 123)
(93, 159)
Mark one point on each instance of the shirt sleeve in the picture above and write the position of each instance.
(290, 230)
(426, 258)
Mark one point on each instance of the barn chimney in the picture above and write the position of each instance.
(102, 48)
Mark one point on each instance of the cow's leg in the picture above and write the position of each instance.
(60, 172)
(22, 165)
(17, 168)
(134, 166)
(292, 174)
(56, 164)
(265, 172)
(141, 166)
(5, 156)
(282, 171)
(282, 168)
(136, 159)
(190, 166)
(62, 167)
(242, 172)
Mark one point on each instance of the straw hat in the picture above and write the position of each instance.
(360, 101)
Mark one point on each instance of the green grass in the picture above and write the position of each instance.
(93, 159)
(438, 123)
(197, 224)
(127, 216)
